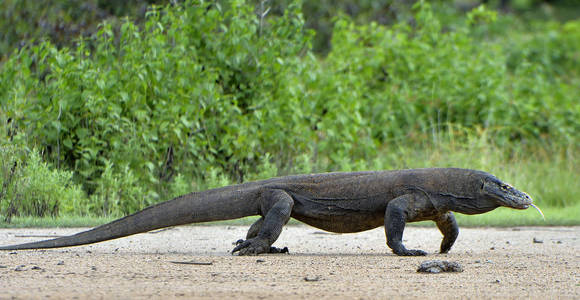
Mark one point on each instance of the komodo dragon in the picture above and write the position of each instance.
(336, 202)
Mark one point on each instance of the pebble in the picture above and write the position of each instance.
(438, 266)
(311, 278)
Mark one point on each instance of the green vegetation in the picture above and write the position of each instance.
(59, 21)
(32, 188)
(201, 95)
(61, 221)
(506, 217)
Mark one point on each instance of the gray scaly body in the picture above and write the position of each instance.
(336, 202)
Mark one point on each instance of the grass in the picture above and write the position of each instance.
(503, 217)
(61, 221)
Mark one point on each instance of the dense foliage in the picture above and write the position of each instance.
(202, 94)
(61, 21)
(25, 21)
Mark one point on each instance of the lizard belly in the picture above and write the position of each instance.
(341, 225)
(338, 216)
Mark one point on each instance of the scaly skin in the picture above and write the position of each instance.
(336, 202)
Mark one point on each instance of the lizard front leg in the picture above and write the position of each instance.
(269, 229)
(448, 227)
(396, 215)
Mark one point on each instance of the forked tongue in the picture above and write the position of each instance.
(538, 209)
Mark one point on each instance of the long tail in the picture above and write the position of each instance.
(213, 205)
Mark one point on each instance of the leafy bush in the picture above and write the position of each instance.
(416, 81)
(201, 96)
(198, 87)
(26, 21)
(30, 187)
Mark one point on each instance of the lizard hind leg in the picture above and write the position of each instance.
(253, 232)
(255, 228)
(264, 232)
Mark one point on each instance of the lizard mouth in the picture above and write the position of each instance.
(522, 201)
(525, 206)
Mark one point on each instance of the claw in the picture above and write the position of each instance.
(278, 250)
(253, 246)
(417, 253)
(412, 253)
(240, 245)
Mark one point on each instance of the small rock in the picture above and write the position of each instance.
(60, 263)
(197, 263)
(36, 268)
(438, 266)
(497, 281)
(260, 260)
(311, 278)
(93, 268)
(537, 241)
(20, 268)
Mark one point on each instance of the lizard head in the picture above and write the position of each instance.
(504, 194)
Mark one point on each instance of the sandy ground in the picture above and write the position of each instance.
(498, 263)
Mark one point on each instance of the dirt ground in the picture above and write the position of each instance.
(498, 263)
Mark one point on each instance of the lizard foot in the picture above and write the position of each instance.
(272, 249)
(413, 252)
(253, 246)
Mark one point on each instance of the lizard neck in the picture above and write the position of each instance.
(463, 204)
